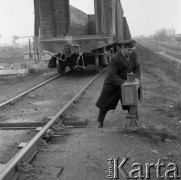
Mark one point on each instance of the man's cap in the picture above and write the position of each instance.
(129, 43)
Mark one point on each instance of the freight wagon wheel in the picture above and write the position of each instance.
(110, 55)
(104, 59)
(97, 64)
(72, 67)
(60, 67)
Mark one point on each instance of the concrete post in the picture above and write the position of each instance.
(30, 54)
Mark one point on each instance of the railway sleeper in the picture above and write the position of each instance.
(54, 131)
(24, 167)
(71, 121)
(57, 127)
(48, 135)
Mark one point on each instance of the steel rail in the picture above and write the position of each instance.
(28, 91)
(11, 165)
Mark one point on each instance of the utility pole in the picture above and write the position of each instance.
(30, 55)
(178, 39)
(34, 52)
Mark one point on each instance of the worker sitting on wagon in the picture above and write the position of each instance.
(122, 63)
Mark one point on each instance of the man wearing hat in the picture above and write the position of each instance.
(123, 62)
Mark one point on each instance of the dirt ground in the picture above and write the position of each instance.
(13, 86)
(83, 153)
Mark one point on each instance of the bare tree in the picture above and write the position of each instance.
(164, 34)
(178, 39)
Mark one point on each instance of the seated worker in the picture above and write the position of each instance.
(123, 62)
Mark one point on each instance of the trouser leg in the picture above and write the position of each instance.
(102, 115)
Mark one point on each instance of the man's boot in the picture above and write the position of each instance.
(99, 125)
(101, 117)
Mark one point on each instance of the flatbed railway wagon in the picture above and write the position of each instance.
(76, 39)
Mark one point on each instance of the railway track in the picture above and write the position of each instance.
(26, 92)
(14, 166)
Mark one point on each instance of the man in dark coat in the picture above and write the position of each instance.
(123, 62)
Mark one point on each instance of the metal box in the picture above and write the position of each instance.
(130, 91)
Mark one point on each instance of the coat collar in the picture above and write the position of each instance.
(122, 59)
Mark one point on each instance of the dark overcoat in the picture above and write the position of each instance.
(117, 74)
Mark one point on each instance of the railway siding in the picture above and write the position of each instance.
(83, 153)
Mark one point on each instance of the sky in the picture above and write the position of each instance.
(144, 17)
(148, 16)
(16, 18)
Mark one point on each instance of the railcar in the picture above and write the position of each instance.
(77, 39)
